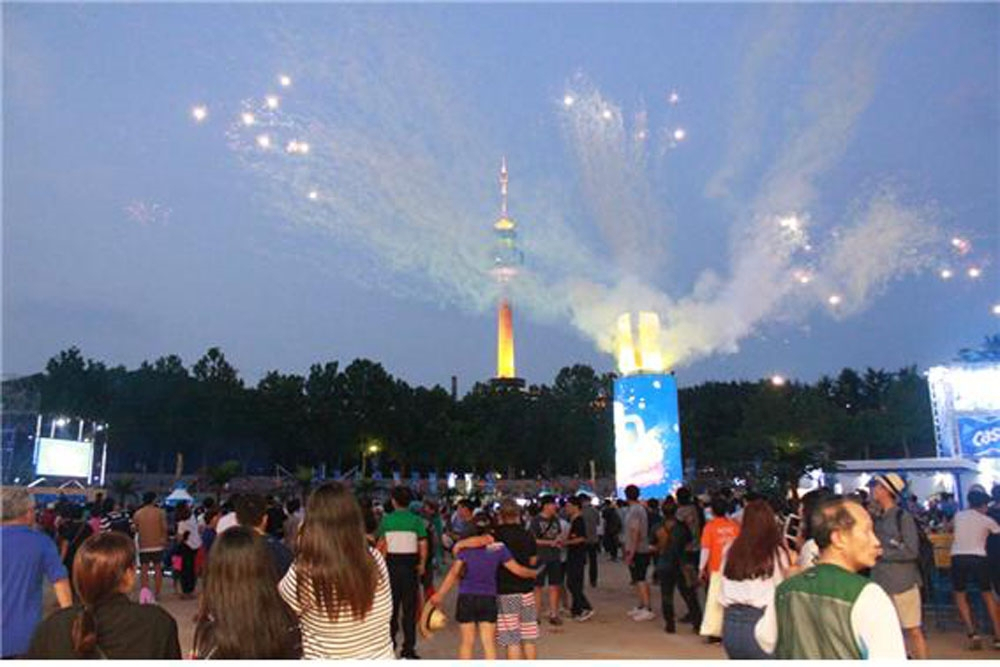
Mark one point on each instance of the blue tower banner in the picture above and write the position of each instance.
(647, 435)
(979, 437)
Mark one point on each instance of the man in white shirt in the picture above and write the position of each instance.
(829, 611)
(229, 519)
(969, 563)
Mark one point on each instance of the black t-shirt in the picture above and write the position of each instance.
(125, 631)
(74, 533)
(276, 522)
(522, 545)
(577, 553)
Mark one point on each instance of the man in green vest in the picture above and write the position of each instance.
(829, 612)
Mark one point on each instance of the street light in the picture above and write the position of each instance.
(371, 450)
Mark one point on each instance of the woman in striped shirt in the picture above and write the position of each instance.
(338, 585)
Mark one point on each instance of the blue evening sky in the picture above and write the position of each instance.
(133, 231)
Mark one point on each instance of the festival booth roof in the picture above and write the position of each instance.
(932, 464)
(925, 476)
(178, 495)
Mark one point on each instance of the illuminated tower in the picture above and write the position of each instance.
(506, 260)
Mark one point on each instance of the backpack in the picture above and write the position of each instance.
(925, 550)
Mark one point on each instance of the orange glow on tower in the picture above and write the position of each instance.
(505, 341)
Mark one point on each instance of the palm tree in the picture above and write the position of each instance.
(221, 475)
(990, 351)
(304, 476)
(124, 487)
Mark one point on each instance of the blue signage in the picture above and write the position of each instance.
(647, 435)
(979, 437)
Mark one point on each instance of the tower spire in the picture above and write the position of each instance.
(503, 186)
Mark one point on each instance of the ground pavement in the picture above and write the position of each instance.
(610, 634)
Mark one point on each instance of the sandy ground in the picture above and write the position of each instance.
(610, 634)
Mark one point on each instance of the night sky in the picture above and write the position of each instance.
(783, 185)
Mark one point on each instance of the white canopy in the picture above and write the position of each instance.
(179, 495)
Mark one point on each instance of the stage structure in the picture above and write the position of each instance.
(965, 399)
(507, 258)
(64, 457)
(646, 416)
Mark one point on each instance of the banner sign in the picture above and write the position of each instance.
(647, 435)
(979, 437)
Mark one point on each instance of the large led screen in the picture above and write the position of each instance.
(647, 435)
(63, 458)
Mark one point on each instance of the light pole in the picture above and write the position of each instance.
(371, 450)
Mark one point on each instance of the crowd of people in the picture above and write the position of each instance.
(342, 577)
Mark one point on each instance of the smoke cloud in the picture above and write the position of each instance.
(400, 182)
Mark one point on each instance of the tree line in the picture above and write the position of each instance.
(335, 416)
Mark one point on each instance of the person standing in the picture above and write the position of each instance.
(577, 550)
(755, 564)
(477, 569)
(275, 519)
(151, 525)
(672, 538)
(517, 615)
(293, 508)
(612, 530)
(402, 538)
(969, 563)
(188, 543)
(591, 519)
(547, 531)
(993, 541)
(338, 585)
(719, 533)
(115, 518)
(637, 549)
(829, 612)
(241, 614)
(106, 624)
(252, 513)
(897, 569)
(73, 530)
(26, 557)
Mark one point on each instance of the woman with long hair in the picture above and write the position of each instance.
(338, 585)
(757, 561)
(106, 624)
(241, 614)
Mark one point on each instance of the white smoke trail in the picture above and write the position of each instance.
(611, 160)
(888, 241)
(401, 178)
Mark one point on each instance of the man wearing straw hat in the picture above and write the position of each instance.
(897, 569)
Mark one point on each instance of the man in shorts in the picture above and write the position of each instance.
(637, 552)
(897, 569)
(969, 563)
(517, 623)
(547, 531)
(476, 570)
(151, 525)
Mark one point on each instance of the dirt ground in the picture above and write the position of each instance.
(609, 635)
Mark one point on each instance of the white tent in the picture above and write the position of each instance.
(179, 495)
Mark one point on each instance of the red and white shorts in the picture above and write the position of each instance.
(517, 619)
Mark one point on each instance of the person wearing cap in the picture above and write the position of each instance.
(897, 569)
(969, 563)
(829, 611)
